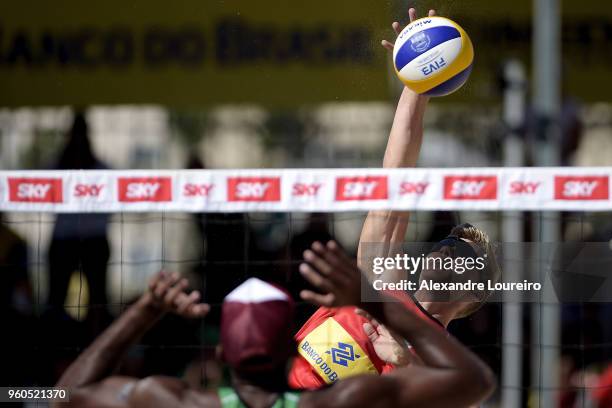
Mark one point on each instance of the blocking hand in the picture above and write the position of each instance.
(166, 293)
(329, 269)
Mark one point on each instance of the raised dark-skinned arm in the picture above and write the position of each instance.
(89, 376)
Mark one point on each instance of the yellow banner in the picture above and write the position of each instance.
(195, 53)
(502, 30)
(191, 52)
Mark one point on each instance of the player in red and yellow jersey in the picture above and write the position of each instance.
(376, 350)
(330, 331)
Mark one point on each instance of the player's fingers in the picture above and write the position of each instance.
(165, 284)
(340, 259)
(185, 301)
(383, 330)
(316, 279)
(200, 310)
(376, 323)
(432, 13)
(196, 310)
(331, 260)
(174, 291)
(370, 331)
(318, 262)
(317, 247)
(337, 250)
(180, 302)
(369, 317)
(396, 27)
(336, 269)
(155, 279)
(318, 299)
(412, 14)
(326, 253)
(388, 45)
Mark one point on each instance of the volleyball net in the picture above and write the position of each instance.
(93, 238)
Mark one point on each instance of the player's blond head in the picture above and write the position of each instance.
(492, 272)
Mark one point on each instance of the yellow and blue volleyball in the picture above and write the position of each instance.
(433, 56)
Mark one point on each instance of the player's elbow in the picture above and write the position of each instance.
(481, 383)
(468, 387)
(488, 382)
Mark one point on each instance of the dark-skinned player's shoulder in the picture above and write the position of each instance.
(168, 392)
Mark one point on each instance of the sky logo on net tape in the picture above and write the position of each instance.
(362, 188)
(35, 190)
(582, 188)
(470, 187)
(144, 189)
(253, 189)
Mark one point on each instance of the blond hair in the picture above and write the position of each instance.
(492, 272)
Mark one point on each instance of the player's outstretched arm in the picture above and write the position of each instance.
(403, 148)
(88, 378)
(450, 375)
(405, 138)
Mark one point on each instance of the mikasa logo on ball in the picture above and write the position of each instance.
(420, 42)
(412, 26)
(433, 57)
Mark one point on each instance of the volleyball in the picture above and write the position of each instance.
(433, 56)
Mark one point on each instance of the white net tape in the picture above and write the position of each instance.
(297, 190)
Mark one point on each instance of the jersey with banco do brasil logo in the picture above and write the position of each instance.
(333, 346)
